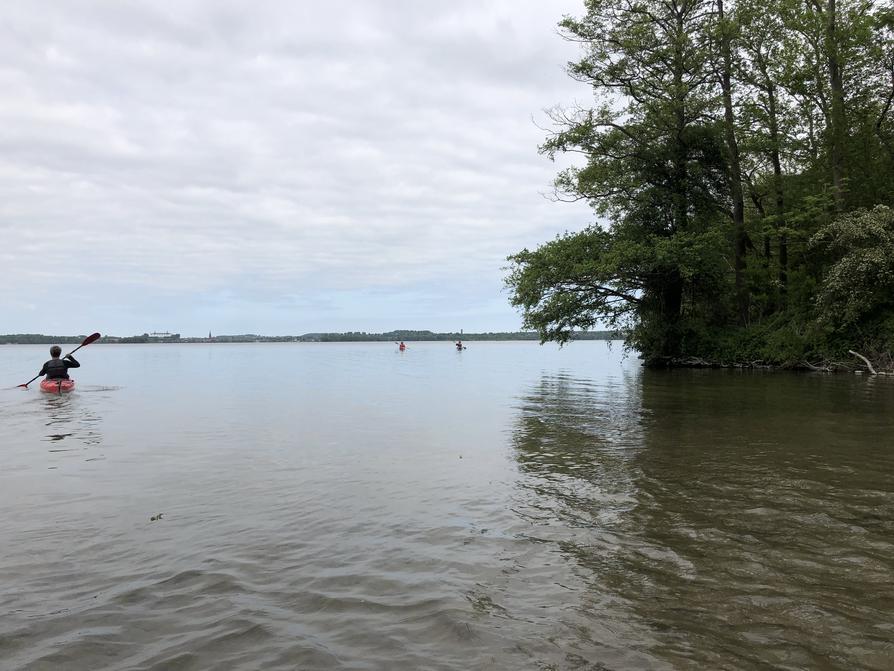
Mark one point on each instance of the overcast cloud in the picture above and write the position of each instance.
(275, 166)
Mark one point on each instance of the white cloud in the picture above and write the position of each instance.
(166, 155)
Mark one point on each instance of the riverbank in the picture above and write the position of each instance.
(860, 366)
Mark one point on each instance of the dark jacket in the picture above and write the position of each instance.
(57, 369)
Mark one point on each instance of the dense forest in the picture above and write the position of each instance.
(739, 156)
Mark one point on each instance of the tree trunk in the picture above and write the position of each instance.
(671, 312)
(778, 192)
(735, 173)
(837, 116)
(671, 292)
(758, 203)
(680, 152)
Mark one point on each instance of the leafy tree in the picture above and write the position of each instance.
(858, 286)
(655, 167)
(774, 116)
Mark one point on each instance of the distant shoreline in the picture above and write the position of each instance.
(351, 336)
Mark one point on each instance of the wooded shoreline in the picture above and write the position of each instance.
(858, 364)
(739, 155)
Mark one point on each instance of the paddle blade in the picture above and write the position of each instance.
(25, 386)
(93, 337)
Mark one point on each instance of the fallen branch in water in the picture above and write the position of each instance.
(819, 369)
(865, 360)
(695, 362)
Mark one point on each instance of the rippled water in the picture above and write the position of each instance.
(511, 506)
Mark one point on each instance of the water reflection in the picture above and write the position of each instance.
(575, 440)
(717, 520)
(69, 418)
(576, 443)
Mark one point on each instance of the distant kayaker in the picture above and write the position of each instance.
(56, 368)
(402, 347)
(459, 344)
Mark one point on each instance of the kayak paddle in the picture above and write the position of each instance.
(89, 339)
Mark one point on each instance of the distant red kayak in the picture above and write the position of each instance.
(57, 386)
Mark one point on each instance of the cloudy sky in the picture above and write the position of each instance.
(273, 166)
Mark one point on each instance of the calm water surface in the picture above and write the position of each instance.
(346, 506)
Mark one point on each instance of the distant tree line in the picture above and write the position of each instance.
(741, 154)
(349, 336)
(39, 339)
(407, 335)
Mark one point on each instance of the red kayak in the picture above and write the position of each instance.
(57, 386)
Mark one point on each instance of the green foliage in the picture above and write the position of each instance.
(858, 286)
(572, 282)
(581, 280)
(813, 119)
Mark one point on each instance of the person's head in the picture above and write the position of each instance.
(55, 351)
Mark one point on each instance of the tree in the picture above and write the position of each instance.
(701, 104)
(726, 29)
(654, 167)
(761, 67)
(858, 285)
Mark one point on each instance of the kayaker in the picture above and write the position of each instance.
(459, 344)
(402, 346)
(56, 368)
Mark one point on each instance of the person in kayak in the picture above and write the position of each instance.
(459, 344)
(56, 368)
(402, 347)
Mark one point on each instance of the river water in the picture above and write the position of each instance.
(511, 506)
